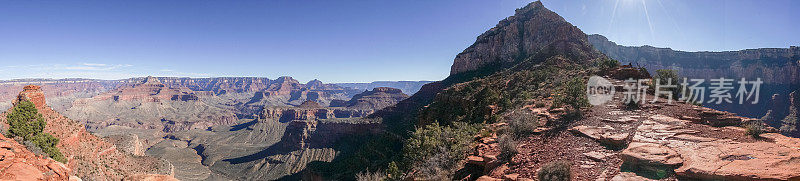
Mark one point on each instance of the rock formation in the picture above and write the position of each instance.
(89, 156)
(378, 98)
(532, 30)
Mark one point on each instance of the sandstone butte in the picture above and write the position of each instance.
(88, 156)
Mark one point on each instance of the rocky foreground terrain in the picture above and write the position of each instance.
(659, 141)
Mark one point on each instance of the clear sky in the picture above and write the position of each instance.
(339, 41)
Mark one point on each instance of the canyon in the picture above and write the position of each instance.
(513, 104)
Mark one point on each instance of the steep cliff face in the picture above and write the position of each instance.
(772, 65)
(89, 156)
(532, 30)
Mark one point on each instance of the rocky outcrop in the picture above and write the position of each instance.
(316, 134)
(285, 114)
(533, 30)
(17, 163)
(378, 98)
(89, 156)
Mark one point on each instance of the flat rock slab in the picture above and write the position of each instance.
(628, 176)
(605, 135)
(650, 155)
(729, 160)
(667, 141)
(597, 156)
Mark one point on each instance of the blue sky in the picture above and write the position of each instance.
(339, 41)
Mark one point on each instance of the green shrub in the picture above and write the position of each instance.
(508, 148)
(394, 172)
(555, 171)
(573, 94)
(435, 151)
(608, 63)
(26, 122)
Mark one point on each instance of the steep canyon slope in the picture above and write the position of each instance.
(88, 156)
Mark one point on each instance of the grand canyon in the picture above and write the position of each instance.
(514, 106)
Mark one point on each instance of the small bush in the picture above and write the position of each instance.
(754, 129)
(508, 148)
(555, 171)
(371, 176)
(573, 94)
(521, 125)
